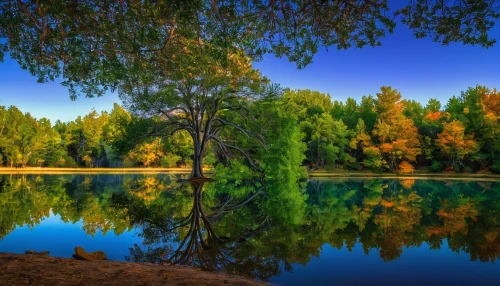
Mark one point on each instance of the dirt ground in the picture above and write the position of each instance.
(28, 269)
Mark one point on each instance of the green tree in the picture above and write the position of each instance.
(201, 100)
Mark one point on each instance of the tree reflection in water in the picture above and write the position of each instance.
(237, 227)
(194, 240)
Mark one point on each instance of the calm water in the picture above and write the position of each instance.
(335, 232)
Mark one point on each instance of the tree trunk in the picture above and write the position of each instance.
(197, 168)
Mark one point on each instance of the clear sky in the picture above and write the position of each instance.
(419, 69)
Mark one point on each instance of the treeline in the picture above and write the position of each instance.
(27, 141)
(382, 133)
(388, 133)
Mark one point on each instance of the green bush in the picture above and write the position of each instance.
(374, 160)
(436, 166)
(69, 162)
(210, 159)
(351, 163)
(169, 161)
(495, 167)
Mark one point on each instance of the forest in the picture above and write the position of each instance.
(381, 133)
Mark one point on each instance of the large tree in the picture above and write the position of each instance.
(397, 135)
(201, 97)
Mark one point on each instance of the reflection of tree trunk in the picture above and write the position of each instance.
(194, 237)
(201, 244)
(194, 241)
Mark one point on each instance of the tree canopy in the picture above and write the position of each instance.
(98, 45)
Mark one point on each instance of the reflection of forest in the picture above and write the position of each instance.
(242, 229)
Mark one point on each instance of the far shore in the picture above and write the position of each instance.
(318, 174)
(50, 170)
(311, 173)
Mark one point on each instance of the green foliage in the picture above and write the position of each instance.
(188, 70)
(470, 25)
(351, 163)
(325, 137)
(436, 166)
(374, 160)
(134, 46)
(495, 167)
(69, 162)
(169, 161)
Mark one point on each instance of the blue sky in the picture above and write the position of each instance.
(419, 69)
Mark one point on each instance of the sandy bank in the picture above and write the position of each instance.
(43, 170)
(27, 269)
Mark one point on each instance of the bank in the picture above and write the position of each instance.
(30, 269)
(409, 176)
(49, 170)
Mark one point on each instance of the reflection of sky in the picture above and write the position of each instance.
(415, 266)
(60, 239)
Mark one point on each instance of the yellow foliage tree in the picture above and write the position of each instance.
(397, 134)
(148, 153)
(490, 102)
(454, 143)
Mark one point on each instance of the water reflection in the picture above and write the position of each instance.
(211, 234)
(242, 228)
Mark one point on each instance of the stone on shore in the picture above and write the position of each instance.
(46, 252)
(81, 254)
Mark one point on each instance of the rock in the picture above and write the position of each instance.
(81, 254)
(46, 252)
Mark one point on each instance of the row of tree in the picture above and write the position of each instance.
(380, 133)
(388, 133)
(27, 141)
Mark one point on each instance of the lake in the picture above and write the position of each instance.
(326, 231)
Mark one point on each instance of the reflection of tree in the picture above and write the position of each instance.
(383, 215)
(399, 215)
(194, 239)
(240, 228)
(201, 235)
(454, 217)
(27, 200)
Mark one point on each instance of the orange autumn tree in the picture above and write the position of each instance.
(397, 135)
(455, 144)
(490, 102)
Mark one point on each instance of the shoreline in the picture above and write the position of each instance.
(22, 269)
(311, 174)
(50, 170)
(410, 176)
